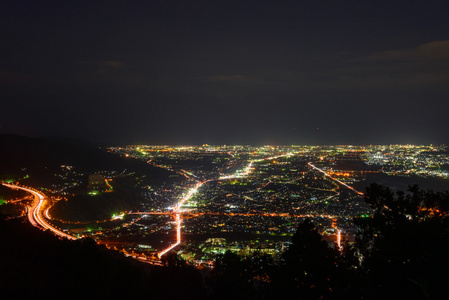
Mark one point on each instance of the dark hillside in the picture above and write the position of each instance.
(40, 158)
(37, 265)
(85, 207)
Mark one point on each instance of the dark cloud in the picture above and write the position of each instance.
(425, 65)
(437, 51)
(12, 78)
(227, 71)
(108, 65)
(232, 78)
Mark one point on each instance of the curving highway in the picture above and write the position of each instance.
(35, 212)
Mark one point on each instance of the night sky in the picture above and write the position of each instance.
(226, 72)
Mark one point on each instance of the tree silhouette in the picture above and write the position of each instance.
(404, 245)
(231, 277)
(171, 259)
(308, 266)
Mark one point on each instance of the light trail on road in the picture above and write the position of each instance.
(34, 212)
(20, 200)
(178, 237)
(339, 239)
(176, 209)
(46, 214)
(335, 179)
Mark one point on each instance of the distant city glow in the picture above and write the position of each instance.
(226, 190)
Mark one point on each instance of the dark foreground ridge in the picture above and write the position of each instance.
(37, 265)
(400, 253)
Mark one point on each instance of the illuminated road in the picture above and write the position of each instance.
(35, 218)
(20, 200)
(35, 212)
(176, 209)
(177, 214)
(335, 179)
